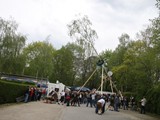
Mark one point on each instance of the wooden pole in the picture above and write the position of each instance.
(111, 84)
(102, 82)
(87, 80)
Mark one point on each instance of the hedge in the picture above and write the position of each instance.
(153, 98)
(9, 91)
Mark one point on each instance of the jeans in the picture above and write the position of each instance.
(26, 97)
(142, 109)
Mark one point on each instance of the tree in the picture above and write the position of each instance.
(78, 61)
(139, 59)
(63, 69)
(11, 46)
(158, 4)
(80, 29)
(106, 55)
(39, 56)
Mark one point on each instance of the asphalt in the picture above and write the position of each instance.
(88, 113)
(31, 111)
(43, 111)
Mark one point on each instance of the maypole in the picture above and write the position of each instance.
(102, 82)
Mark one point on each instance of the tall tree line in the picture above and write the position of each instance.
(40, 59)
(135, 63)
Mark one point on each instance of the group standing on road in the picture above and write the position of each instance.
(101, 103)
(34, 94)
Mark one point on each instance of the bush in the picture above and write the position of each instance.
(129, 94)
(153, 98)
(9, 91)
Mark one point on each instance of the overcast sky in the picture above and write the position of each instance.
(38, 19)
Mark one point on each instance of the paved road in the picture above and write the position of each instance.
(43, 111)
(87, 113)
(31, 111)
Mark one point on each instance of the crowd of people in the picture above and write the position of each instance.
(101, 103)
(34, 94)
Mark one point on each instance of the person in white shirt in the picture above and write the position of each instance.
(62, 96)
(143, 104)
(100, 107)
(93, 96)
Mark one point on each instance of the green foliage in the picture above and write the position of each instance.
(39, 56)
(158, 4)
(135, 63)
(107, 56)
(153, 97)
(11, 46)
(77, 61)
(136, 67)
(81, 30)
(63, 66)
(9, 91)
(129, 94)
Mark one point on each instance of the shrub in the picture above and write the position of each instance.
(153, 98)
(9, 91)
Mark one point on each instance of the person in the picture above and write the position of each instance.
(116, 103)
(58, 97)
(27, 94)
(132, 103)
(50, 97)
(67, 98)
(111, 100)
(100, 107)
(93, 99)
(143, 104)
(89, 99)
(125, 103)
(43, 93)
(62, 97)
